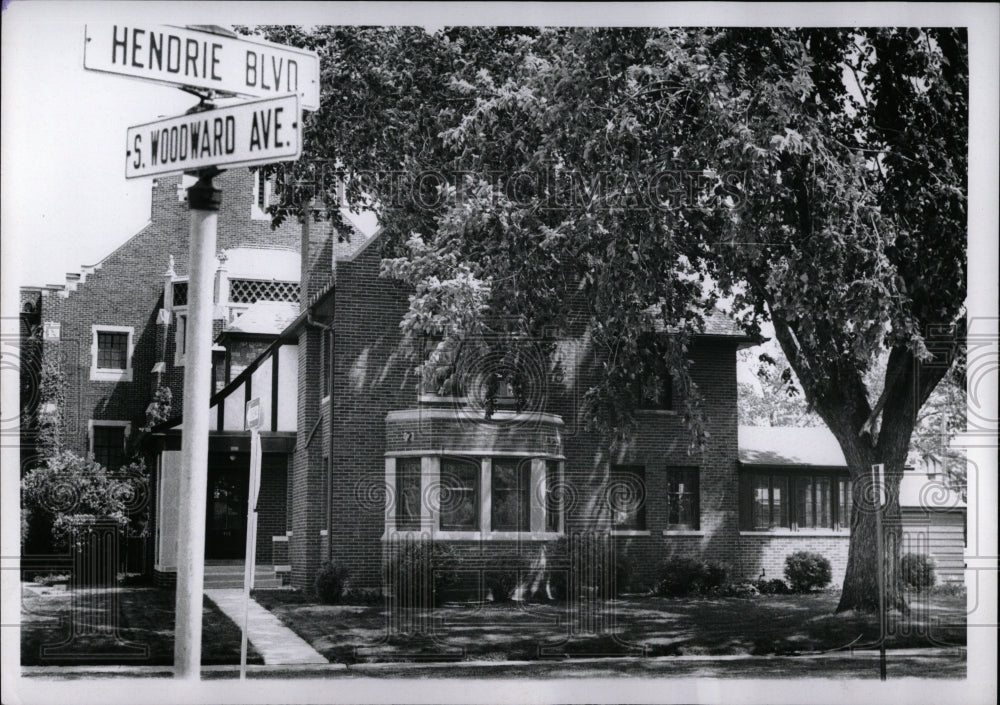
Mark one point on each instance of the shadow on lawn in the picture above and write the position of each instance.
(640, 626)
(129, 626)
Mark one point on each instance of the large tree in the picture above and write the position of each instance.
(816, 176)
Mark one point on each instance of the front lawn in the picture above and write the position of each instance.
(640, 626)
(143, 618)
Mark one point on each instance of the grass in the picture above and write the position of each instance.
(130, 625)
(639, 626)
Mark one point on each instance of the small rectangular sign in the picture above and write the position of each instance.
(187, 57)
(253, 414)
(256, 132)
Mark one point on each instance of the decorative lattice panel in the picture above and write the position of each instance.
(180, 293)
(248, 291)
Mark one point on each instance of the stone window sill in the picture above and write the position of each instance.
(630, 532)
(682, 532)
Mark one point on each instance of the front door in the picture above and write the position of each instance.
(226, 520)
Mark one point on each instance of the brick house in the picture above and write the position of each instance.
(374, 461)
(116, 328)
(359, 459)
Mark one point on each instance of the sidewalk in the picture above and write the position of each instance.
(277, 644)
(945, 663)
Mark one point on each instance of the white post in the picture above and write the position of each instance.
(249, 565)
(879, 479)
(203, 201)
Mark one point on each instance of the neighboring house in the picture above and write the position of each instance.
(796, 484)
(117, 328)
(358, 458)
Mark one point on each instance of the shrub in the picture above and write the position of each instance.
(917, 571)
(419, 574)
(742, 589)
(715, 576)
(807, 571)
(777, 586)
(502, 583)
(949, 589)
(681, 576)
(330, 582)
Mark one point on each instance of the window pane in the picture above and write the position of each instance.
(511, 485)
(408, 494)
(626, 497)
(760, 504)
(824, 515)
(459, 497)
(682, 498)
(779, 502)
(112, 350)
(553, 496)
(109, 446)
(805, 516)
(845, 502)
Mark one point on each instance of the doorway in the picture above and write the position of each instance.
(226, 518)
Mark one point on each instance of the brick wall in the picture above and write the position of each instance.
(271, 505)
(127, 290)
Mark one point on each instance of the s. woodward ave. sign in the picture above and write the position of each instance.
(183, 57)
(255, 132)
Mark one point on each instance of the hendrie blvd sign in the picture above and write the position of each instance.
(177, 56)
(255, 132)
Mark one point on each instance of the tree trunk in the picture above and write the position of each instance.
(860, 591)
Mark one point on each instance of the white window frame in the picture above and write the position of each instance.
(255, 212)
(180, 321)
(103, 374)
(92, 423)
(430, 478)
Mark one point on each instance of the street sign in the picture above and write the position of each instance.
(255, 132)
(191, 58)
(253, 414)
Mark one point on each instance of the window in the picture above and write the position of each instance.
(250, 291)
(554, 491)
(107, 443)
(326, 361)
(262, 192)
(820, 501)
(659, 396)
(626, 494)
(408, 494)
(511, 494)
(682, 499)
(180, 338)
(501, 496)
(111, 353)
(459, 495)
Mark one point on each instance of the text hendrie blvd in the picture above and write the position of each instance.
(256, 132)
(185, 57)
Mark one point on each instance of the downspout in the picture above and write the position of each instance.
(315, 325)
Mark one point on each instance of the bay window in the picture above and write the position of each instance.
(475, 497)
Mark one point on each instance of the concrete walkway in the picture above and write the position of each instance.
(277, 644)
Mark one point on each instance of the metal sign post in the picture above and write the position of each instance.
(203, 200)
(209, 62)
(253, 422)
(878, 477)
